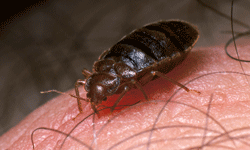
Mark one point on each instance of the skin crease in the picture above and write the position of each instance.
(228, 93)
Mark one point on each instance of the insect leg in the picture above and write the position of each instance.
(126, 89)
(159, 74)
(140, 88)
(86, 73)
(94, 108)
(136, 83)
(79, 82)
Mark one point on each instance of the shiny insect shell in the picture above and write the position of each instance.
(139, 57)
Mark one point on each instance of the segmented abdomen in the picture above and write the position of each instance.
(153, 43)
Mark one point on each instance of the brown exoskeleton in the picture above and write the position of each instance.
(136, 59)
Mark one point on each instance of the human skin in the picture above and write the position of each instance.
(184, 125)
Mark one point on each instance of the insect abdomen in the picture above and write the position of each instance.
(181, 33)
(153, 43)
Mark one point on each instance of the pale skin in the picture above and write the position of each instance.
(180, 125)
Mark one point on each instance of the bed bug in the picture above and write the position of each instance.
(139, 57)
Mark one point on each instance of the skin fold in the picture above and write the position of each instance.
(218, 118)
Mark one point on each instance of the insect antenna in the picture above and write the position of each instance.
(59, 92)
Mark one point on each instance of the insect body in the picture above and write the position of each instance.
(136, 59)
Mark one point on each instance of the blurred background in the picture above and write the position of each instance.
(46, 44)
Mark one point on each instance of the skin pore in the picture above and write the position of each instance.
(217, 118)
